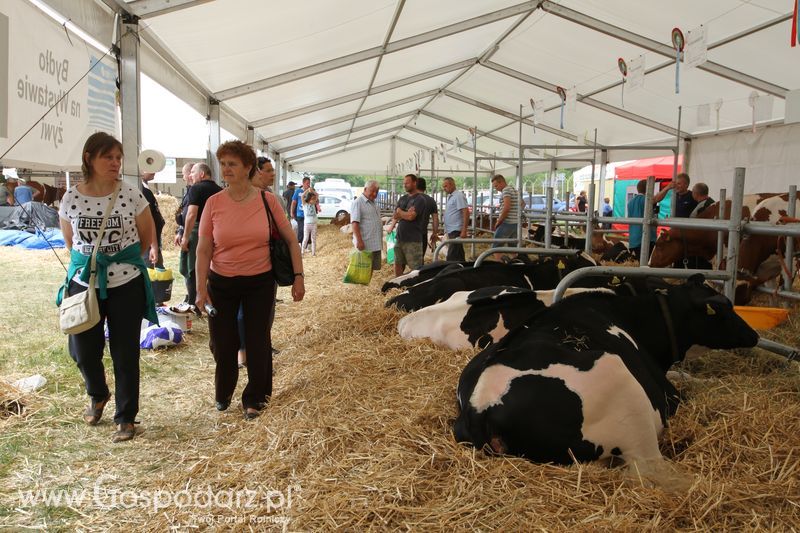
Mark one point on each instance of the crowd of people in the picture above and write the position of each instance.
(688, 204)
(224, 237)
(16, 191)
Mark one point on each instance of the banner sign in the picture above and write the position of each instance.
(39, 65)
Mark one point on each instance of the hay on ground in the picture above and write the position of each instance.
(168, 205)
(358, 436)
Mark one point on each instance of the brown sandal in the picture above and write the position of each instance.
(124, 432)
(94, 411)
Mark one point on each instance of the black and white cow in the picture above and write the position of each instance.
(585, 379)
(618, 253)
(424, 273)
(534, 276)
(477, 318)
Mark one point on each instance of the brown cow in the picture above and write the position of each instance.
(42, 192)
(761, 256)
(754, 250)
(676, 244)
(51, 194)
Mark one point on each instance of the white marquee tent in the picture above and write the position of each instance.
(372, 86)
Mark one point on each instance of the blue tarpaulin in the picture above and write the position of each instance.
(32, 241)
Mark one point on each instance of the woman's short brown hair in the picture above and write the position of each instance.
(243, 151)
(97, 144)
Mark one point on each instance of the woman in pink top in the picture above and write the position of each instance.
(233, 269)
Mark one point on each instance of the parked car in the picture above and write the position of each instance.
(332, 206)
(537, 201)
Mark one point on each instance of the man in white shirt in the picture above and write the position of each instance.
(366, 223)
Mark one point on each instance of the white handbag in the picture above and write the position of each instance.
(81, 312)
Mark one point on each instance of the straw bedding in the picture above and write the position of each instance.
(361, 422)
(358, 435)
(168, 205)
(11, 401)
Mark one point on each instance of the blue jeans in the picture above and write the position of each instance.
(505, 230)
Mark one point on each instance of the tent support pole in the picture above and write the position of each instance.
(723, 193)
(214, 138)
(130, 98)
(788, 277)
(734, 231)
(644, 253)
(676, 153)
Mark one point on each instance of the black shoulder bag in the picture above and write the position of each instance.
(279, 254)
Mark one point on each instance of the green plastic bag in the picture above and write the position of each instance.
(391, 238)
(360, 268)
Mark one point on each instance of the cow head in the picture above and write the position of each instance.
(703, 316)
(667, 249)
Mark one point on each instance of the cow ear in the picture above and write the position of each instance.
(710, 310)
(665, 235)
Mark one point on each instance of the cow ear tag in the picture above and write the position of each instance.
(710, 310)
(615, 280)
(560, 265)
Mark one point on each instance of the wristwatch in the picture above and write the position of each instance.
(299, 274)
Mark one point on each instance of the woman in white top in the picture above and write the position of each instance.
(122, 284)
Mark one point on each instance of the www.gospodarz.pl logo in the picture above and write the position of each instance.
(197, 499)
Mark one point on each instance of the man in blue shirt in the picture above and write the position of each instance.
(607, 211)
(636, 210)
(296, 209)
(456, 219)
(23, 193)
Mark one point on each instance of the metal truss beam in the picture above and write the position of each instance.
(480, 133)
(377, 51)
(444, 140)
(546, 85)
(361, 94)
(509, 115)
(345, 118)
(392, 25)
(428, 148)
(659, 48)
(345, 149)
(153, 8)
(344, 143)
(346, 132)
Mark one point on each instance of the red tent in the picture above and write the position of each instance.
(660, 167)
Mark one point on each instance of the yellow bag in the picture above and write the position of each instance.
(160, 274)
(360, 268)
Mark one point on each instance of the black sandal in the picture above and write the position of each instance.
(94, 411)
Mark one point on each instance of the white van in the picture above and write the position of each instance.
(335, 187)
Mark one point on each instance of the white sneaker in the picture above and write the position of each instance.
(182, 307)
